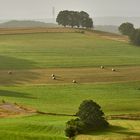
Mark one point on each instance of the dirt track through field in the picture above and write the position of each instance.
(67, 75)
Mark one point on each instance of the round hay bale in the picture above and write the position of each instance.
(9, 72)
(102, 67)
(113, 70)
(52, 75)
(53, 78)
(74, 81)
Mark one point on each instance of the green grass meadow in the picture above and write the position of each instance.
(41, 127)
(67, 50)
(114, 98)
(33, 127)
(45, 50)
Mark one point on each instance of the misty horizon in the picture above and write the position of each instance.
(110, 12)
(107, 20)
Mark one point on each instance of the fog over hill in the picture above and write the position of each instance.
(26, 24)
(31, 23)
(107, 24)
(107, 28)
(97, 20)
(116, 21)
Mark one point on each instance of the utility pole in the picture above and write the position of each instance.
(53, 13)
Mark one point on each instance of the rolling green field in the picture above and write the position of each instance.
(45, 50)
(52, 128)
(34, 57)
(114, 98)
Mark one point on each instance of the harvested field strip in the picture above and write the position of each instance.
(106, 35)
(67, 75)
(36, 30)
(124, 117)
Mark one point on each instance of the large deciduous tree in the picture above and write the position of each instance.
(74, 18)
(135, 37)
(91, 115)
(126, 28)
(63, 18)
(129, 30)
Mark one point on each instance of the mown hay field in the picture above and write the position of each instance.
(28, 58)
(57, 50)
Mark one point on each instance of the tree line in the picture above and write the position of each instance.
(74, 19)
(129, 30)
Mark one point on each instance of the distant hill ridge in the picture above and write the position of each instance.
(107, 28)
(26, 24)
(33, 24)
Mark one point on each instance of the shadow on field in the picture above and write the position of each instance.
(124, 131)
(7, 62)
(14, 94)
(115, 130)
(19, 69)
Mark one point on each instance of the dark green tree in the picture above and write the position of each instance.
(83, 18)
(126, 28)
(63, 18)
(73, 127)
(135, 37)
(74, 19)
(92, 116)
(89, 23)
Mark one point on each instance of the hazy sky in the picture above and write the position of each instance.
(38, 9)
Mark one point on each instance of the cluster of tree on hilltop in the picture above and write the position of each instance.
(74, 18)
(129, 30)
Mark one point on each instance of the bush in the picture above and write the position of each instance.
(70, 131)
(74, 127)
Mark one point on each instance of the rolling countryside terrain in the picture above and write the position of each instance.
(33, 106)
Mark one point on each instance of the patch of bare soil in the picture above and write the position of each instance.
(11, 110)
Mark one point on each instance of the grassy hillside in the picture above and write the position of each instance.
(120, 130)
(45, 50)
(52, 128)
(34, 127)
(32, 55)
(114, 98)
